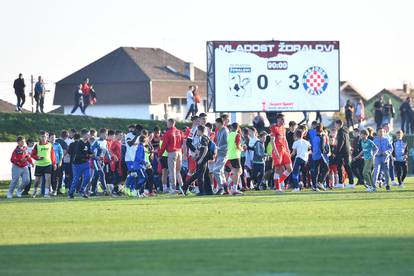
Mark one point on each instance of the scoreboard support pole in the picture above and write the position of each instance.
(210, 78)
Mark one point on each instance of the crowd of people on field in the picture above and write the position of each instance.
(208, 159)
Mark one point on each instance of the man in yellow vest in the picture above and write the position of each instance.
(45, 158)
(234, 150)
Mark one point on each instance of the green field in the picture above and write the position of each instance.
(337, 232)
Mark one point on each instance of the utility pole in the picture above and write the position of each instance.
(31, 91)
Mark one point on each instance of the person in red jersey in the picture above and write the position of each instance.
(281, 155)
(172, 143)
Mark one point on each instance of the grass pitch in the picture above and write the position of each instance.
(338, 232)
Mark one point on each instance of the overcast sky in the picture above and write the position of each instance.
(55, 38)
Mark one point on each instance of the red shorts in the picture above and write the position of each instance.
(333, 168)
(283, 160)
(192, 164)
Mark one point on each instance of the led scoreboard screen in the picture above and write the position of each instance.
(250, 76)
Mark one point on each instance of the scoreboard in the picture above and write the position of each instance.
(253, 76)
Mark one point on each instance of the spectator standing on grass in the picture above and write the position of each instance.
(56, 171)
(258, 161)
(382, 158)
(406, 113)
(21, 161)
(388, 114)
(342, 154)
(86, 94)
(30, 146)
(360, 112)
(378, 109)
(202, 158)
(300, 151)
(79, 103)
(197, 99)
(319, 164)
(349, 113)
(259, 123)
(65, 142)
(305, 118)
(45, 158)
(131, 144)
(234, 149)
(290, 134)
(400, 153)
(172, 143)
(191, 108)
(357, 163)
(80, 151)
(368, 152)
(19, 86)
(318, 117)
(221, 159)
(39, 95)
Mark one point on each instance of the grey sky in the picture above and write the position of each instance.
(54, 38)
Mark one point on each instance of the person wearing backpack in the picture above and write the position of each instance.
(202, 156)
(258, 161)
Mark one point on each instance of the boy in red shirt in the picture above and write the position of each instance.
(116, 164)
(281, 153)
(20, 167)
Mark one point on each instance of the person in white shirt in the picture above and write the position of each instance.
(190, 102)
(131, 144)
(301, 149)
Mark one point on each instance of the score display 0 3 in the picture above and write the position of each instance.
(276, 76)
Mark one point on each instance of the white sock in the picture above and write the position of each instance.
(46, 191)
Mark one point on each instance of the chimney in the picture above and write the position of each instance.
(406, 88)
(189, 70)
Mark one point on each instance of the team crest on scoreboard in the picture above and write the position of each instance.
(239, 81)
(315, 80)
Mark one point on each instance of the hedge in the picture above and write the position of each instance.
(29, 124)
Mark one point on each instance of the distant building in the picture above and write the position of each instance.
(349, 92)
(397, 96)
(141, 83)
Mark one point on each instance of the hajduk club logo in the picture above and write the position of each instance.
(315, 80)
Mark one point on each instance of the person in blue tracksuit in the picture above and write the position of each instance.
(80, 152)
(140, 165)
(320, 166)
(100, 151)
(382, 158)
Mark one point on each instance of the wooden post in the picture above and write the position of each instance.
(32, 92)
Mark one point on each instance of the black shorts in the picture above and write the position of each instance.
(164, 162)
(42, 170)
(235, 163)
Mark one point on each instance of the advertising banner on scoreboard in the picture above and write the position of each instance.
(255, 76)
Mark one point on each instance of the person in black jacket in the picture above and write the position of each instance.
(201, 174)
(19, 86)
(357, 163)
(342, 154)
(378, 111)
(406, 113)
